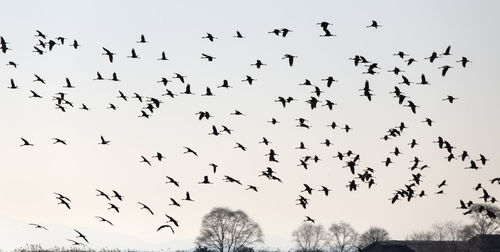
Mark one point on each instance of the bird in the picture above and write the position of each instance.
(113, 206)
(240, 146)
(133, 54)
(34, 95)
(325, 190)
(258, 64)
(38, 226)
(101, 219)
(25, 142)
(174, 203)
(144, 160)
(252, 187)
(205, 180)
(249, 79)
(75, 44)
(447, 51)
(400, 54)
(428, 121)
(445, 69)
(165, 226)
(75, 243)
(464, 61)
(117, 195)
(374, 24)
(159, 156)
(143, 39)
(225, 84)
(101, 193)
(172, 220)
(443, 183)
(309, 219)
(214, 167)
(290, 58)
(109, 54)
(99, 76)
(238, 35)
(40, 34)
(172, 181)
(208, 57)
(483, 159)
(143, 206)
(423, 80)
(179, 76)
(12, 84)
(57, 140)
(285, 31)
(103, 141)
(189, 150)
(80, 235)
(433, 57)
(231, 180)
(209, 37)
(450, 99)
(188, 197)
(163, 56)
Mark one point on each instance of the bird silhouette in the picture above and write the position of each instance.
(143, 206)
(433, 57)
(101, 219)
(238, 35)
(309, 219)
(25, 142)
(208, 57)
(165, 226)
(38, 226)
(464, 61)
(172, 181)
(209, 37)
(163, 56)
(374, 24)
(117, 195)
(101, 193)
(80, 235)
(445, 69)
(174, 203)
(103, 141)
(143, 39)
(172, 220)
(290, 58)
(205, 180)
(133, 54)
(189, 150)
(113, 206)
(188, 197)
(145, 160)
(109, 54)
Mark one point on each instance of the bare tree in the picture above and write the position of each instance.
(343, 237)
(466, 233)
(226, 230)
(421, 236)
(372, 235)
(482, 221)
(310, 237)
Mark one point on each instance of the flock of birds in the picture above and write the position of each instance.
(351, 159)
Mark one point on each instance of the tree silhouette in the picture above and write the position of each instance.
(343, 237)
(372, 235)
(482, 222)
(310, 237)
(226, 230)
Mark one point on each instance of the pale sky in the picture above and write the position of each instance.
(30, 175)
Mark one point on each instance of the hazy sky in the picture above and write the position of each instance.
(30, 175)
